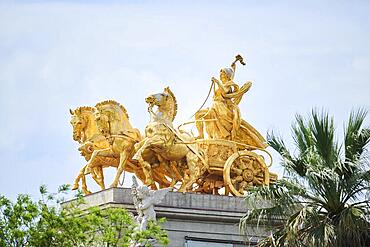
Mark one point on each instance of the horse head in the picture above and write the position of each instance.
(165, 102)
(80, 122)
(111, 117)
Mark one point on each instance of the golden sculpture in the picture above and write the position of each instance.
(164, 144)
(227, 160)
(113, 122)
(224, 114)
(85, 132)
(89, 129)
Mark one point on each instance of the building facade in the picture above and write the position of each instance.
(192, 220)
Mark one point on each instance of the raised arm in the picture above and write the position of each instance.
(237, 58)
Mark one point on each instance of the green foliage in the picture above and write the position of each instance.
(321, 201)
(46, 223)
(153, 232)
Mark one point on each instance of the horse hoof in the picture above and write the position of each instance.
(75, 187)
(86, 192)
(113, 186)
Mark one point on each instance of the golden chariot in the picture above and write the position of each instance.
(229, 159)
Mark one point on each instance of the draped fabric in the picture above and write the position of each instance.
(225, 111)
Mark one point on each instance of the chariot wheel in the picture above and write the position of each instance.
(243, 170)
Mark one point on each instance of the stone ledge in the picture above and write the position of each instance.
(189, 215)
(176, 200)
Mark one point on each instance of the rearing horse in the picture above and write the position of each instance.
(165, 143)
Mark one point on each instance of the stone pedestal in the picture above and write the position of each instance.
(193, 220)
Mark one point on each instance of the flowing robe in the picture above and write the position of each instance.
(225, 111)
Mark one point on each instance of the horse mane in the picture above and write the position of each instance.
(112, 102)
(168, 90)
(84, 108)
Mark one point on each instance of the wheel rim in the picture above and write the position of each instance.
(247, 175)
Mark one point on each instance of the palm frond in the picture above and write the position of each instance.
(323, 202)
(302, 135)
(278, 144)
(353, 228)
(324, 138)
(269, 204)
(312, 228)
(357, 186)
(356, 138)
(289, 162)
(324, 184)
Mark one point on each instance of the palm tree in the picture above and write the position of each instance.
(323, 199)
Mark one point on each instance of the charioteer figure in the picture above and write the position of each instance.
(223, 119)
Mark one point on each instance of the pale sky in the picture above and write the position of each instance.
(56, 55)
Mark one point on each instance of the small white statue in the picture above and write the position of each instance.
(144, 200)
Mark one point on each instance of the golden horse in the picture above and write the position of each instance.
(85, 132)
(113, 122)
(167, 145)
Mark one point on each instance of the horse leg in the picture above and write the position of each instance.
(101, 152)
(78, 178)
(184, 182)
(174, 170)
(82, 175)
(96, 173)
(87, 169)
(122, 161)
(147, 168)
(193, 172)
(101, 177)
(84, 186)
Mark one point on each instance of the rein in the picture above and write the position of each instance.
(186, 143)
(209, 93)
